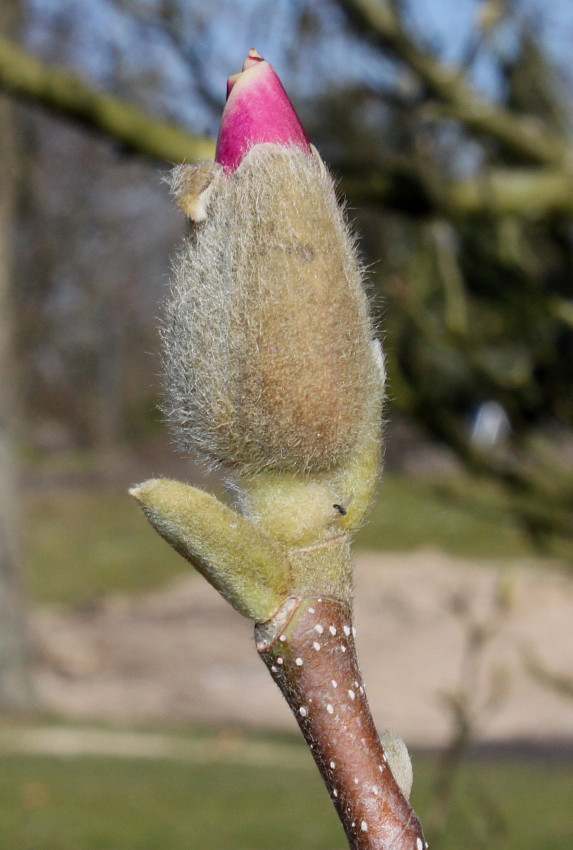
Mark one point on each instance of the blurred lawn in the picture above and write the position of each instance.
(82, 544)
(98, 803)
(410, 513)
(85, 543)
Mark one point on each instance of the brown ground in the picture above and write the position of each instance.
(181, 654)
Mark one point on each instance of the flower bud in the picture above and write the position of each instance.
(267, 334)
(257, 110)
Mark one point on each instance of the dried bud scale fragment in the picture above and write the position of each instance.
(271, 369)
(192, 186)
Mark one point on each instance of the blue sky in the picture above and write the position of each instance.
(108, 45)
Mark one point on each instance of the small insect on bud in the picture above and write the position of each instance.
(267, 335)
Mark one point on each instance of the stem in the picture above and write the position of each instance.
(308, 646)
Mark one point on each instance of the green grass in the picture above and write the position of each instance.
(410, 514)
(512, 804)
(82, 544)
(98, 803)
(117, 804)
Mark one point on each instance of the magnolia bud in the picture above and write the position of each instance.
(267, 335)
(271, 369)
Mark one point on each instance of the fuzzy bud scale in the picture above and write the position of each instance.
(267, 333)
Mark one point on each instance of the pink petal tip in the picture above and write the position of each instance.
(257, 110)
(253, 58)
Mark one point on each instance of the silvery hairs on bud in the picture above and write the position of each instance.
(267, 355)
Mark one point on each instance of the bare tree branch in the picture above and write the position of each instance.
(16, 689)
(528, 193)
(23, 75)
(524, 136)
(163, 21)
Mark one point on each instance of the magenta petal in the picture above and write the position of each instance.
(257, 110)
(253, 57)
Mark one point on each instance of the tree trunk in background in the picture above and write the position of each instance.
(16, 694)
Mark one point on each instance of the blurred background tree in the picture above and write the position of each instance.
(450, 134)
(479, 282)
(453, 142)
(16, 693)
(449, 128)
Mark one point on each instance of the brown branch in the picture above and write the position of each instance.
(308, 647)
(26, 77)
(523, 135)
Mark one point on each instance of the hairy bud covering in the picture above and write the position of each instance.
(267, 336)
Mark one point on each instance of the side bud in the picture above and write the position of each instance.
(399, 760)
(247, 568)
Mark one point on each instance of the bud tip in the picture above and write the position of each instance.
(258, 110)
(253, 58)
